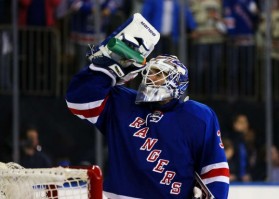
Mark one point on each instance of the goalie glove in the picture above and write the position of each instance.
(137, 36)
(120, 71)
(138, 33)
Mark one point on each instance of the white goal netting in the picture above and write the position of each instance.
(17, 182)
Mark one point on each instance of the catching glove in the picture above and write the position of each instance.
(120, 71)
(122, 55)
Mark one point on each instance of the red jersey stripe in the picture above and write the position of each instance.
(89, 113)
(216, 172)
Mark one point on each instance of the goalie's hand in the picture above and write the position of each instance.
(120, 71)
(197, 193)
(120, 58)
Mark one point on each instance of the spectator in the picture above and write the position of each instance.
(38, 47)
(83, 28)
(240, 159)
(208, 40)
(37, 12)
(261, 169)
(241, 22)
(275, 164)
(5, 45)
(32, 155)
(242, 125)
(164, 15)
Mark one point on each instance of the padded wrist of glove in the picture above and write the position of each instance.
(108, 66)
(120, 71)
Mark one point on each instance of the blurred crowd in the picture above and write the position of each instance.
(227, 37)
(215, 29)
(246, 153)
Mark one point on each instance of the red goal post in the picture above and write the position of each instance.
(17, 182)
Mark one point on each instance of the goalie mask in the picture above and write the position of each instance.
(164, 77)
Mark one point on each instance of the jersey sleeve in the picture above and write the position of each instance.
(87, 95)
(214, 169)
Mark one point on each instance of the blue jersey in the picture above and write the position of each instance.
(240, 17)
(153, 150)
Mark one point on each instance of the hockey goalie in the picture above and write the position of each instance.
(156, 139)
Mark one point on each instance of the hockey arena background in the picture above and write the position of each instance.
(37, 64)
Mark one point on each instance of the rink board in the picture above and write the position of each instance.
(254, 191)
(247, 191)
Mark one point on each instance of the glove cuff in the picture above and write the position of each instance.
(105, 71)
(108, 66)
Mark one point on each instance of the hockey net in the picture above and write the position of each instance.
(17, 182)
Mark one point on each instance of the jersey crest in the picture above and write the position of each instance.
(156, 116)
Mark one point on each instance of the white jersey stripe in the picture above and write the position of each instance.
(214, 166)
(217, 179)
(115, 196)
(85, 106)
(90, 119)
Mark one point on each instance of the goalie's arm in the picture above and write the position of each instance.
(88, 94)
(214, 169)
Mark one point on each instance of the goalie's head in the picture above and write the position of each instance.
(164, 77)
